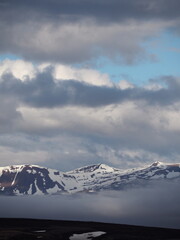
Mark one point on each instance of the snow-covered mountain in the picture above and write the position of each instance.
(33, 179)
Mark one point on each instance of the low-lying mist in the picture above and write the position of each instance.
(151, 206)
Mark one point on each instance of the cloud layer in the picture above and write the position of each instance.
(46, 89)
(77, 31)
(65, 117)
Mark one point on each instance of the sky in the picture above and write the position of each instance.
(86, 81)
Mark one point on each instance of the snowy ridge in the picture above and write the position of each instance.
(33, 179)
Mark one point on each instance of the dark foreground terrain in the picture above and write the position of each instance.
(24, 229)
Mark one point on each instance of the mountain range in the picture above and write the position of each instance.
(33, 179)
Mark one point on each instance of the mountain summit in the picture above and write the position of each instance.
(33, 179)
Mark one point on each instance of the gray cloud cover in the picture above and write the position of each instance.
(112, 11)
(44, 91)
(77, 31)
(65, 124)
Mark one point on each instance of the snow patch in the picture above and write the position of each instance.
(173, 174)
(40, 231)
(86, 236)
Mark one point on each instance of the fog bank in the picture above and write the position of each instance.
(152, 206)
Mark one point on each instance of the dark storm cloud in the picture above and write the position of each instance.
(154, 206)
(44, 92)
(9, 115)
(74, 31)
(102, 9)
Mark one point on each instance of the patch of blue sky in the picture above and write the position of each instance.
(8, 56)
(165, 48)
(166, 52)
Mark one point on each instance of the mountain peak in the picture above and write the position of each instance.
(33, 179)
(157, 163)
(106, 167)
(161, 164)
(93, 168)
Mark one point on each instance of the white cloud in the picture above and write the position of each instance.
(124, 84)
(19, 68)
(89, 76)
(22, 69)
(85, 75)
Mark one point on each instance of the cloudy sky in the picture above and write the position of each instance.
(89, 81)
